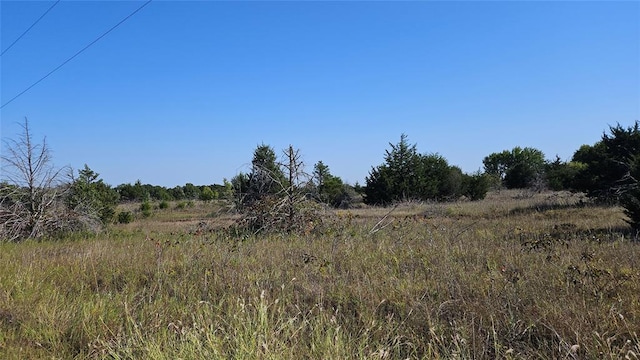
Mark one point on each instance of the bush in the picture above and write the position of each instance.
(181, 205)
(477, 186)
(125, 217)
(164, 204)
(145, 207)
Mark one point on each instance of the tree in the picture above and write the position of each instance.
(605, 164)
(407, 175)
(266, 178)
(516, 169)
(329, 188)
(560, 175)
(272, 196)
(396, 179)
(206, 194)
(191, 191)
(434, 179)
(476, 186)
(609, 170)
(497, 164)
(92, 199)
(31, 203)
(630, 198)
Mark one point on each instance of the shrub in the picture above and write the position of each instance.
(477, 186)
(125, 217)
(164, 204)
(145, 207)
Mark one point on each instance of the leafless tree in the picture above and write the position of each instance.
(31, 190)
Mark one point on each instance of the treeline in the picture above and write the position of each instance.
(38, 199)
(145, 192)
(606, 171)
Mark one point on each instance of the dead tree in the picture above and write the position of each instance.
(31, 189)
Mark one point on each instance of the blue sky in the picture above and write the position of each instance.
(184, 91)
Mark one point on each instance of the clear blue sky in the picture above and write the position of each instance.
(184, 91)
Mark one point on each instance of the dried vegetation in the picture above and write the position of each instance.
(518, 275)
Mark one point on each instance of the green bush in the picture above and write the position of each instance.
(145, 207)
(125, 217)
(164, 204)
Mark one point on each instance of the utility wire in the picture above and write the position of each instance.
(32, 25)
(78, 53)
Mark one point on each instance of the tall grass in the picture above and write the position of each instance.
(507, 278)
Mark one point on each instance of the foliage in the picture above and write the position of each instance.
(329, 189)
(125, 217)
(145, 208)
(605, 164)
(408, 175)
(206, 194)
(476, 186)
(560, 175)
(32, 192)
(518, 168)
(92, 198)
(163, 204)
(273, 196)
(630, 198)
(141, 192)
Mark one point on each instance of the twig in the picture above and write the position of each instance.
(376, 227)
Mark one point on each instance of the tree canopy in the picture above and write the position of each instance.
(408, 175)
(516, 168)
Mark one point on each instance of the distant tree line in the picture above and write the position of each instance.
(607, 171)
(147, 192)
(38, 200)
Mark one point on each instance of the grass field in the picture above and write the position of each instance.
(517, 275)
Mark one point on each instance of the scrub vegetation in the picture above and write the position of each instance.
(528, 259)
(519, 274)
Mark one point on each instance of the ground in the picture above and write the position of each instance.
(517, 275)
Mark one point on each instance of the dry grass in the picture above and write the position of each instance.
(515, 276)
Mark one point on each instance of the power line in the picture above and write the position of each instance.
(32, 25)
(78, 53)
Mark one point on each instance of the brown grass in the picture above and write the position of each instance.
(519, 275)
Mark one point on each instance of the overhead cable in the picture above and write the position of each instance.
(78, 53)
(32, 25)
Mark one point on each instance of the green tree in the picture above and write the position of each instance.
(266, 178)
(560, 175)
(91, 197)
(604, 165)
(191, 191)
(609, 170)
(517, 168)
(476, 186)
(435, 179)
(630, 198)
(329, 188)
(408, 175)
(396, 179)
(206, 194)
(127, 192)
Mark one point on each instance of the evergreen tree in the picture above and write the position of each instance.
(329, 188)
(90, 196)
